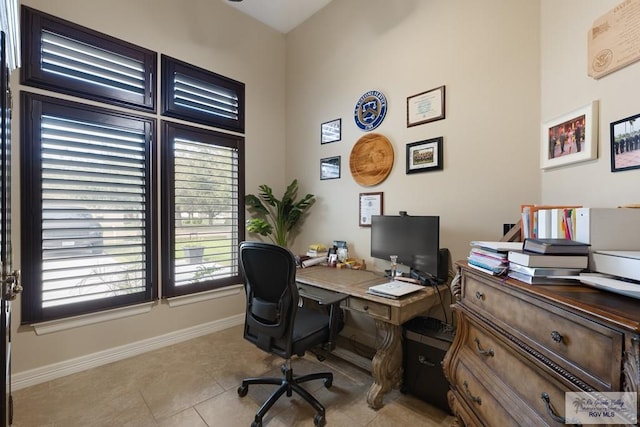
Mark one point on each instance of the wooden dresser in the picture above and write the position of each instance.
(518, 348)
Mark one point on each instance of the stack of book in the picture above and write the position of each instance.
(544, 261)
(491, 257)
(317, 250)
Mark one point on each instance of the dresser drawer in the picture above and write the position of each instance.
(519, 373)
(475, 392)
(575, 343)
(370, 307)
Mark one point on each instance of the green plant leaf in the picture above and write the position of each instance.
(276, 218)
(254, 203)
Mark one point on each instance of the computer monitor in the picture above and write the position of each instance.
(414, 239)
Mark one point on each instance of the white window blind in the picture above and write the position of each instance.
(93, 210)
(79, 61)
(204, 97)
(206, 223)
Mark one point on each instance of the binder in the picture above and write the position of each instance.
(529, 214)
(544, 223)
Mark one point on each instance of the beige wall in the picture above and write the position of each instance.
(508, 65)
(565, 86)
(485, 52)
(204, 33)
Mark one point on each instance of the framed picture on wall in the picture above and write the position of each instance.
(426, 107)
(369, 204)
(625, 144)
(424, 156)
(331, 131)
(570, 138)
(330, 168)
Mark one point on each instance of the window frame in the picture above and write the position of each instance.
(34, 22)
(170, 66)
(169, 130)
(33, 105)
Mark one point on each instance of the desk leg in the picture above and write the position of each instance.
(386, 364)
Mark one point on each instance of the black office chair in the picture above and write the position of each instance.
(276, 323)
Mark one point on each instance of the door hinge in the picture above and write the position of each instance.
(12, 285)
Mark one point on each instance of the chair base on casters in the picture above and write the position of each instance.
(288, 384)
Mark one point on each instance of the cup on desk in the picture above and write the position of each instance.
(394, 266)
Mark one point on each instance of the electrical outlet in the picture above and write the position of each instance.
(506, 228)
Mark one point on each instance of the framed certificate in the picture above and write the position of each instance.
(370, 204)
(426, 107)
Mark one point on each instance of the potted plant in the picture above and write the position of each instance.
(275, 218)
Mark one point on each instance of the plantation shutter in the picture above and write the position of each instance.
(93, 208)
(206, 224)
(82, 62)
(191, 93)
(92, 198)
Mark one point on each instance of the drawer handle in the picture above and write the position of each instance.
(475, 399)
(365, 308)
(488, 353)
(479, 295)
(425, 361)
(550, 410)
(556, 336)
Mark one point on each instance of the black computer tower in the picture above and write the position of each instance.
(426, 341)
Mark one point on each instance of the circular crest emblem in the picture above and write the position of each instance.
(370, 110)
(602, 60)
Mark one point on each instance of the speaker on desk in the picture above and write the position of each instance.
(444, 259)
(426, 341)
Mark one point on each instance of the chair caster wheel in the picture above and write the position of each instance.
(319, 420)
(328, 383)
(256, 424)
(243, 390)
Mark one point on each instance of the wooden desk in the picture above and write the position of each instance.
(388, 314)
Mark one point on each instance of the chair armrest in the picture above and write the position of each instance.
(332, 300)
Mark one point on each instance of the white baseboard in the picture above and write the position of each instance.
(57, 370)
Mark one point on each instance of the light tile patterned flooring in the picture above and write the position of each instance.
(194, 384)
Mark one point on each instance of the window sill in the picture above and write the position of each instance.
(105, 316)
(90, 319)
(227, 291)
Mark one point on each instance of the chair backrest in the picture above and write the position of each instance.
(272, 296)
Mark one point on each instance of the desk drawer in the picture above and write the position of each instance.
(371, 308)
(567, 339)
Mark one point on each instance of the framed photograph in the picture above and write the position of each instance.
(370, 204)
(424, 156)
(426, 107)
(330, 167)
(571, 138)
(331, 131)
(625, 144)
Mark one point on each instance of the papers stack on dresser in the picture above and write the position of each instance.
(547, 261)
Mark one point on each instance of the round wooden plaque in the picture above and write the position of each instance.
(371, 159)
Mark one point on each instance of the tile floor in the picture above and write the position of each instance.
(194, 384)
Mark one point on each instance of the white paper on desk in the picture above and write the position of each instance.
(395, 288)
(314, 261)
